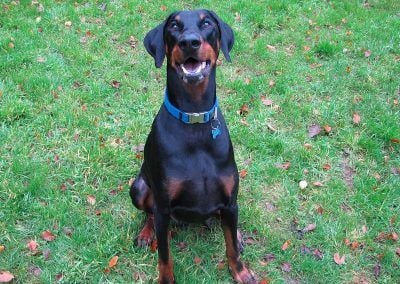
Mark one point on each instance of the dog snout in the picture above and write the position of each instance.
(190, 42)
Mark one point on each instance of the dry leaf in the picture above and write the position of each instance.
(6, 277)
(327, 129)
(339, 260)
(68, 24)
(314, 130)
(309, 228)
(48, 236)
(318, 255)
(271, 48)
(307, 146)
(398, 251)
(265, 101)
(317, 183)
(356, 118)
(395, 140)
(264, 281)
(2, 248)
(285, 245)
(377, 270)
(32, 245)
(367, 53)
(326, 167)
(320, 210)
(197, 260)
(91, 199)
(244, 109)
(286, 267)
(115, 84)
(243, 173)
(113, 261)
(271, 83)
(284, 166)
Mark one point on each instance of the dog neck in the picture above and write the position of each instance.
(191, 97)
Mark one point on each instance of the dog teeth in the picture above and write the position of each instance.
(196, 71)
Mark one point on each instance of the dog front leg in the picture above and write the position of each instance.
(239, 271)
(165, 265)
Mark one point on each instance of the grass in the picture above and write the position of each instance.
(66, 134)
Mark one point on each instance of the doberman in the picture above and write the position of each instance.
(189, 171)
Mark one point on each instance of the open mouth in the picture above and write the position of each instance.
(194, 71)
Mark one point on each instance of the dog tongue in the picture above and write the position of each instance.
(192, 65)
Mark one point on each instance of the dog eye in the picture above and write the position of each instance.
(174, 25)
(206, 24)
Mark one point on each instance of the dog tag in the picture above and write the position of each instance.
(215, 128)
(215, 132)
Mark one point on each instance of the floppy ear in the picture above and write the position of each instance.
(227, 37)
(154, 43)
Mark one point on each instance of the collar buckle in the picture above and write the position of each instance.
(197, 117)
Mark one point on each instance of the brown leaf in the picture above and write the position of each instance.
(271, 48)
(113, 261)
(59, 277)
(46, 254)
(48, 236)
(35, 270)
(367, 53)
(264, 281)
(377, 270)
(2, 248)
(32, 245)
(197, 260)
(244, 122)
(221, 265)
(395, 140)
(243, 173)
(284, 166)
(271, 83)
(68, 24)
(266, 101)
(339, 260)
(398, 251)
(309, 228)
(307, 146)
(317, 184)
(318, 255)
(286, 245)
(182, 245)
(6, 277)
(286, 267)
(326, 167)
(115, 84)
(356, 118)
(393, 236)
(91, 199)
(244, 109)
(320, 210)
(68, 231)
(314, 130)
(327, 129)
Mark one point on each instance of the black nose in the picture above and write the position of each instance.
(190, 42)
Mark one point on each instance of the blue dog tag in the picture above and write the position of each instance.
(215, 132)
(215, 128)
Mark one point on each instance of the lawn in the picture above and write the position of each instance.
(312, 102)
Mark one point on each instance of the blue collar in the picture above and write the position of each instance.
(192, 117)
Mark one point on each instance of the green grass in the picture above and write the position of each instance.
(66, 134)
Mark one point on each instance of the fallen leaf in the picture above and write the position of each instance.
(221, 264)
(163, 8)
(395, 140)
(377, 270)
(367, 53)
(314, 130)
(244, 109)
(327, 129)
(305, 249)
(356, 118)
(68, 231)
(68, 24)
(284, 166)
(11, 45)
(2, 248)
(115, 84)
(59, 277)
(35, 270)
(243, 173)
(286, 267)
(320, 210)
(244, 122)
(271, 127)
(393, 236)
(48, 236)
(318, 255)
(326, 167)
(317, 184)
(339, 260)
(398, 251)
(307, 146)
(286, 245)
(182, 245)
(265, 101)
(271, 83)
(364, 229)
(309, 228)
(197, 260)
(263, 281)
(32, 245)
(271, 48)
(269, 257)
(113, 261)
(46, 254)
(91, 199)
(6, 277)
(269, 207)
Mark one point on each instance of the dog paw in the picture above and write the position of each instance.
(245, 276)
(145, 238)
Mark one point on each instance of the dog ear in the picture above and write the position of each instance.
(154, 44)
(227, 37)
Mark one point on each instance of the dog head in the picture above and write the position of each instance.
(191, 41)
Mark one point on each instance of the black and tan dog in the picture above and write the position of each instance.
(189, 171)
